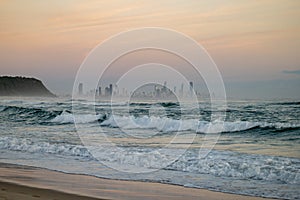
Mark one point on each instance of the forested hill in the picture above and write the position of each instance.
(22, 86)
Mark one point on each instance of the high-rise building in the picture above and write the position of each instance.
(191, 88)
(107, 91)
(164, 89)
(110, 89)
(191, 85)
(99, 91)
(116, 90)
(80, 89)
(181, 90)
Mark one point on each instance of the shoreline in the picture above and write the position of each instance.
(38, 183)
(17, 191)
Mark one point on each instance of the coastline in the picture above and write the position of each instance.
(16, 191)
(25, 182)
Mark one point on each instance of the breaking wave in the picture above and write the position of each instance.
(165, 124)
(217, 163)
(27, 145)
(67, 117)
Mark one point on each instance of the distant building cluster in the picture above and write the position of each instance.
(157, 91)
(111, 89)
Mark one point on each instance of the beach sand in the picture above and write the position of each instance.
(22, 182)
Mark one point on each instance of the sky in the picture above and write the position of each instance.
(255, 44)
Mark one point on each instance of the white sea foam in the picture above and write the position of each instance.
(244, 166)
(50, 145)
(104, 103)
(160, 123)
(66, 118)
(27, 145)
(165, 124)
(217, 163)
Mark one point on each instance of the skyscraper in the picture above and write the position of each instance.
(110, 89)
(100, 92)
(191, 88)
(80, 89)
(181, 90)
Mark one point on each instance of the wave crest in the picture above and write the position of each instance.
(165, 124)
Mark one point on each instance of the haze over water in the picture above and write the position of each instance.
(255, 44)
(251, 46)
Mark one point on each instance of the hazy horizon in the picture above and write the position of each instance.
(171, 99)
(255, 44)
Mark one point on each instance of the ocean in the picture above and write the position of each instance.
(257, 153)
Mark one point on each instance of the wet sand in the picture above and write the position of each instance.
(12, 191)
(28, 183)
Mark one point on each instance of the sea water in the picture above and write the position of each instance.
(257, 153)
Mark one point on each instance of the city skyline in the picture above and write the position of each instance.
(255, 44)
(157, 90)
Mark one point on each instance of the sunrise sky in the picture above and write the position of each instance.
(255, 44)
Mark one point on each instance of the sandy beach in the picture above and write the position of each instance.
(21, 182)
(149, 100)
